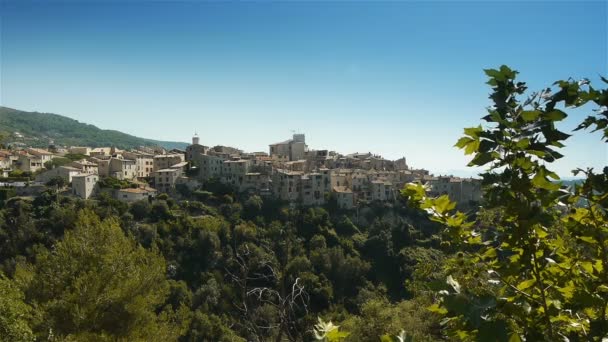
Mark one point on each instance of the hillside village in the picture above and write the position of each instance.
(290, 172)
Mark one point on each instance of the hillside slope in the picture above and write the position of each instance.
(40, 128)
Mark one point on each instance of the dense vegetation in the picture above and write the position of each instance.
(39, 128)
(530, 265)
(534, 264)
(225, 268)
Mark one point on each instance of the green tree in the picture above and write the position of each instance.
(252, 206)
(56, 162)
(15, 314)
(538, 269)
(140, 209)
(379, 317)
(98, 284)
(57, 181)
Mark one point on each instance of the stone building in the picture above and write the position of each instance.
(85, 185)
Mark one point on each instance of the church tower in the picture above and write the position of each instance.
(195, 139)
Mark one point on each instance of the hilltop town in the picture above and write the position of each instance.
(289, 172)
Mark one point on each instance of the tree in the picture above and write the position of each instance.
(252, 206)
(160, 211)
(15, 314)
(57, 181)
(98, 284)
(539, 269)
(379, 317)
(140, 209)
(56, 162)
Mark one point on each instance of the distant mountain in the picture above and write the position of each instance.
(39, 129)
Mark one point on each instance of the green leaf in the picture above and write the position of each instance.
(568, 290)
(481, 159)
(473, 131)
(493, 73)
(587, 266)
(530, 115)
(443, 204)
(540, 181)
(437, 309)
(588, 239)
(336, 335)
(540, 232)
(490, 253)
(526, 284)
(462, 142)
(386, 338)
(471, 147)
(514, 338)
(555, 115)
(523, 143)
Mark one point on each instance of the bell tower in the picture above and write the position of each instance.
(195, 139)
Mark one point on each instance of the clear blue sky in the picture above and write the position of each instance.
(394, 78)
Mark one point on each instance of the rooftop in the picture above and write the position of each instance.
(39, 151)
(137, 190)
(283, 142)
(178, 165)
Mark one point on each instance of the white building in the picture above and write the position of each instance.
(85, 185)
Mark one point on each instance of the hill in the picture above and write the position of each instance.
(38, 129)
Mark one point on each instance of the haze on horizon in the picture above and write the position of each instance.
(394, 78)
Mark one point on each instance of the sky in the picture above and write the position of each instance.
(399, 78)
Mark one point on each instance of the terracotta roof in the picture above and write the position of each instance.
(39, 151)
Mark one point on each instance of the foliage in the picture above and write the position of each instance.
(379, 318)
(538, 269)
(98, 284)
(15, 314)
(5, 195)
(20, 174)
(57, 181)
(115, 183)
(327, 331)
(75, 156)
(56, 162)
